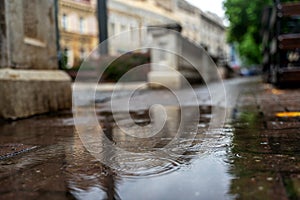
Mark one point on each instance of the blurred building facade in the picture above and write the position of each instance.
(202, 28)
(79, 28)
(213, 35)
(131, 15)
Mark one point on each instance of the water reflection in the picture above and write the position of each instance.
(37, 172)
(145, 159)
(61, 168)
(147, 155)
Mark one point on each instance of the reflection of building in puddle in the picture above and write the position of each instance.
(87, 177)
(137, 151)
(134, 154)
(137, 138)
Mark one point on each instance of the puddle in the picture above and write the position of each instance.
(189, 163)
(182, 161)
(186, 165)
(242, 159)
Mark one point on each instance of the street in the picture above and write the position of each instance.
(253, 155)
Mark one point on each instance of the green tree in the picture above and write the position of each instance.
(244, 29)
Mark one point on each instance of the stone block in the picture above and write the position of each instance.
(174, 52)
(33, 85)
(28, 34)
(29, 92)
(168, 79)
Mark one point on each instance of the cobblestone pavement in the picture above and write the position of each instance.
(254, 155)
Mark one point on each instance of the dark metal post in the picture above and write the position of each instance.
(59, 53)
(102, 25)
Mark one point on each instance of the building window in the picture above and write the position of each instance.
(112, 28)
(81, 25)
(123, 28)
(82, 54)
(132, 34)
(64, 21)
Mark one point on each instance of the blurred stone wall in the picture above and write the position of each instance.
(28, 37)
(30, 82)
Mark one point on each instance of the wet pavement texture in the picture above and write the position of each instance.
(254, 155)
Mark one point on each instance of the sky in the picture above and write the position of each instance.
(214, 6)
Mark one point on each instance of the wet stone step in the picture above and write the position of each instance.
(11, 150)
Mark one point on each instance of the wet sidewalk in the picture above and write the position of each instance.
(265, 147)
(254, 155)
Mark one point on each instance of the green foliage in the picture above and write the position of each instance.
(244, 29)
(250, 50)
(63, 60)
(123, 64)
(115, 70)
